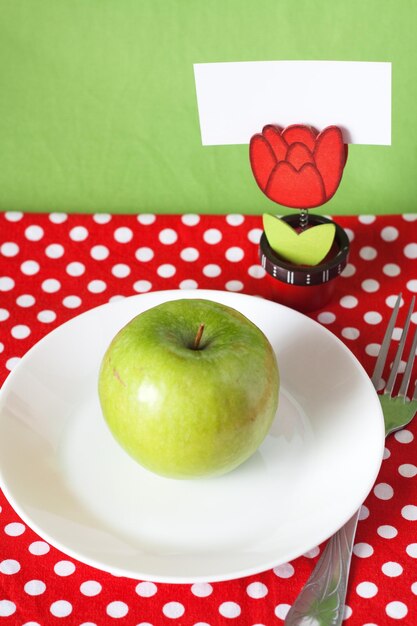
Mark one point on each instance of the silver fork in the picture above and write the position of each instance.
(321, 601)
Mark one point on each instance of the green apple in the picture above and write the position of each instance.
(189, 388)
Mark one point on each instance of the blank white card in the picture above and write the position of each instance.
(235, 100)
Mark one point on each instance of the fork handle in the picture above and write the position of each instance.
(322, 598)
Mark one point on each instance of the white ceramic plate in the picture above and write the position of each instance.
(72, 483)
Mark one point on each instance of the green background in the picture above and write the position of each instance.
(98, 107)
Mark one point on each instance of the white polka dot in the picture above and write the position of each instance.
(230, 609)
(123, 234)
(90, 588)
(256, 271)
(348, 302)
(410, 251)
(326, 317)
(12, 362)
(404, 436)
(64, 568)
(409, 217)
(281, 610)
(97, 286)
(366, 590)
(212, 236)
(234, 254)
(235, 220)
(168, 236)
(54, 251)
(166, 270)
(409, 512)
(46, 316)
(7, 608)
(30, 268)
(9, 249)
(387, 453)
(173, 610)
(350, 333)
(190, 219)
(383, 491)
(412, 285)
(116, 298)
(387, 532)
(389, 233)
(234, 285)
(189, 283)
(1, 350)
(71, 302)
(414, 588)
(370, 285)
(286, 570)
(408, 470)
(78, 233)
(350, 234)
(255, 235)
(372, 317)
(392, 569)
(391, 301)
(25, 300)
(311, 554)
(144, 254)
(20, 331)
(349, 270)
(34, 233)
(51, 285)
(61, 608)
(120, 270)
(347, 612)
(367, 219)
(372, 349)
(99, 252)
(201, 590)
(391, 269)
(411, 550)
(142, 285)
(117, 609)
(211, 270)
(368, 253)
(146, 219)
(35, 587)
(146, 589)
(13, 216)
(363, 512)
(257, 590)
(39, 548)
(58, 218)
(363, 550)
(189, 254)
(396, 610)
(6, 283)
(75, 268)
(14, 529)
(9, 567)
(102, 218)
(4, 315)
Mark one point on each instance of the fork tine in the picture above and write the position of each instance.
(394, 369)
(408, 368)
(382, 356)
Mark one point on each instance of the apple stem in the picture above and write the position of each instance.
(198, 337)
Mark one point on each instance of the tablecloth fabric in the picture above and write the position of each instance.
(54, 266)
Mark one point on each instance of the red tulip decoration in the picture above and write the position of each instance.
(300, 168)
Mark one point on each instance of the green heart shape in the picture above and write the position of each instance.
(308, 247)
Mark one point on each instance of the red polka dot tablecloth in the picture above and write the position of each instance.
(55, 266)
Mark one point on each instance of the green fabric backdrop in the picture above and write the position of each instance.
(98, 108)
